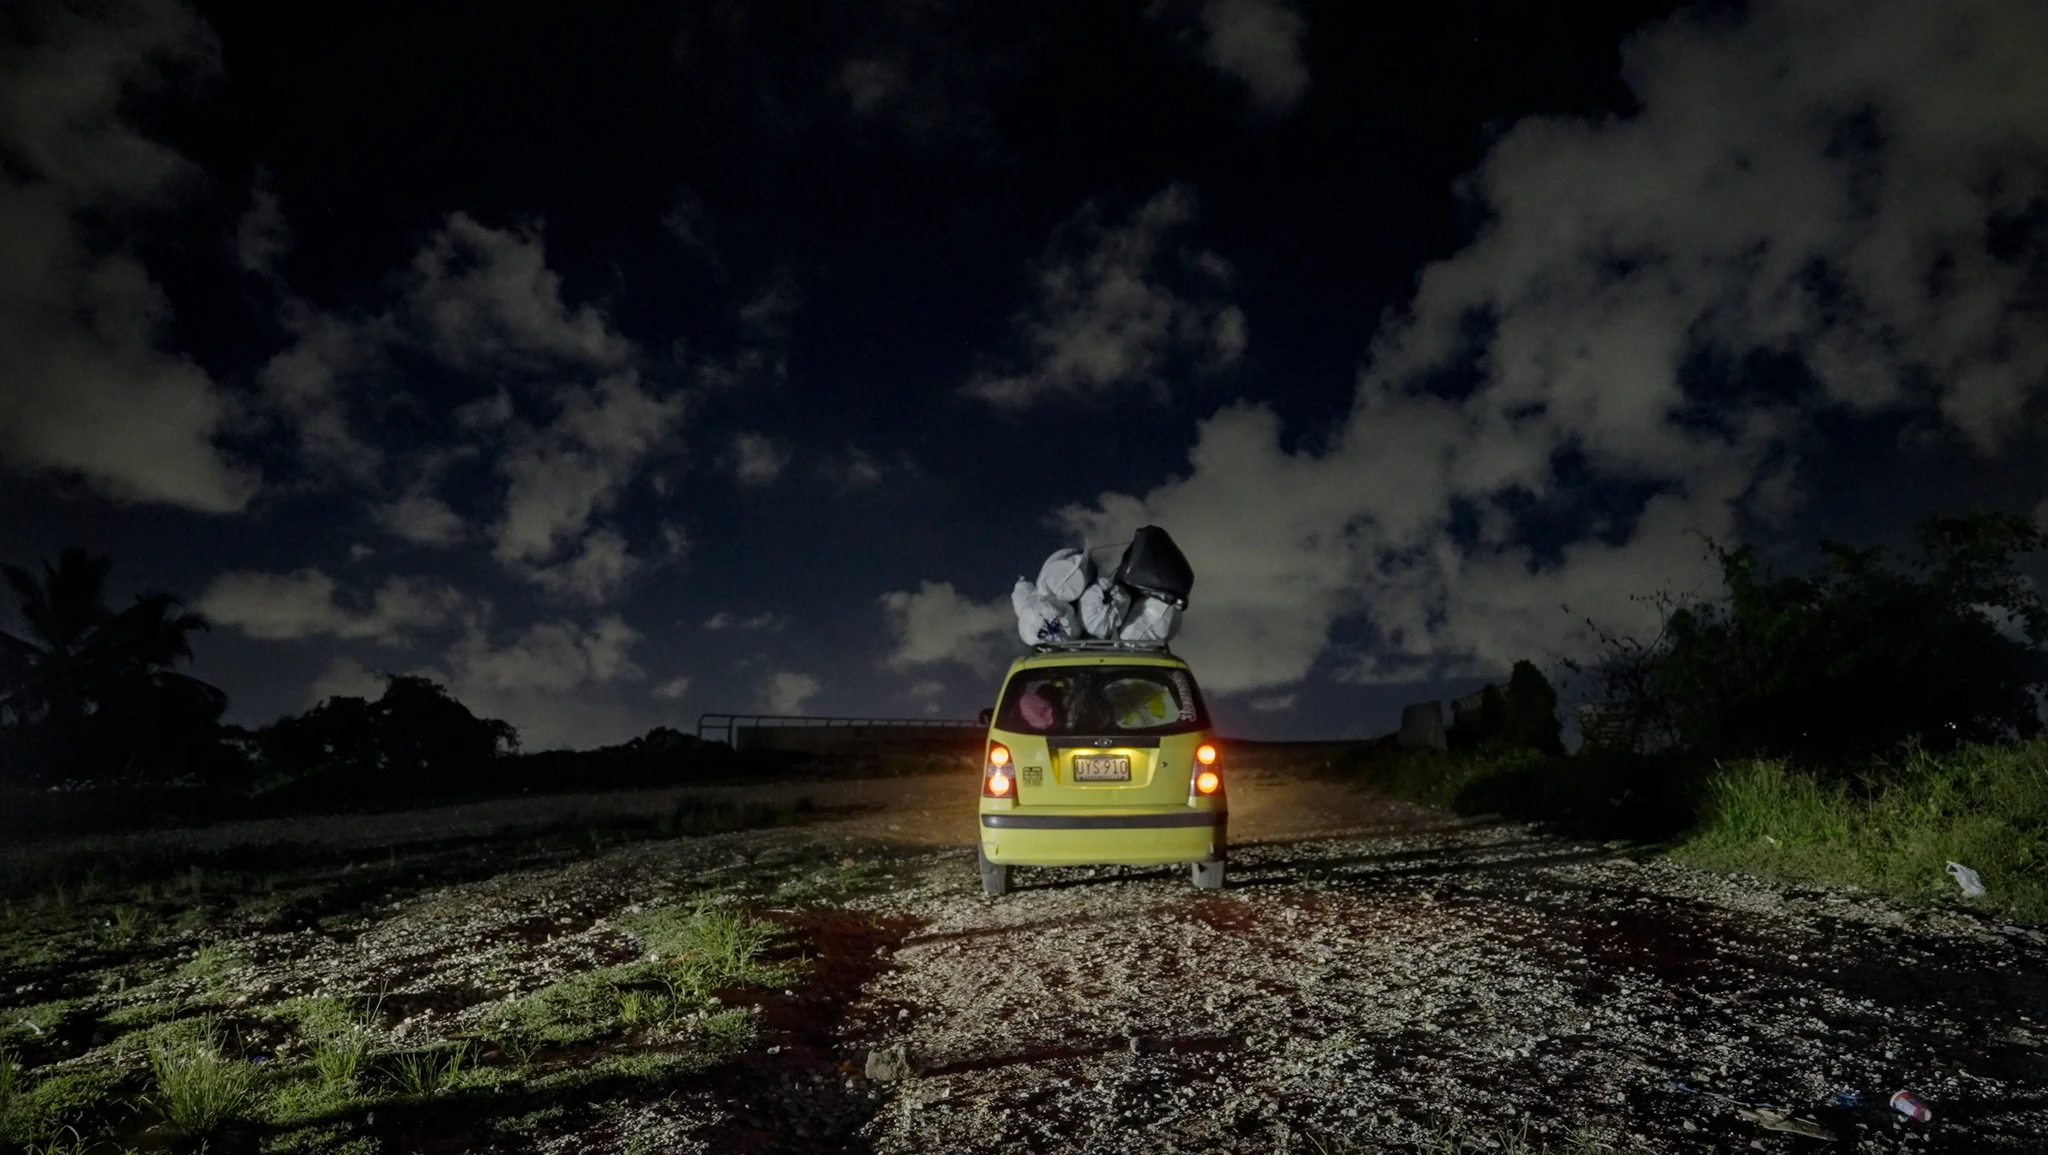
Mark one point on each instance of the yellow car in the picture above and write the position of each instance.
(1101, 752)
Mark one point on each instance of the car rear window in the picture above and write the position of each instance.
(1102, 700)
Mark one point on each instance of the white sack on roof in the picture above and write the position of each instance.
(1065, 575)
(1103, 606)
(1151, 620)
(1040, 618)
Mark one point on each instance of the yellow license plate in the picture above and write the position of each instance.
(1102, 768)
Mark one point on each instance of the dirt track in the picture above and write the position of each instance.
(1374, 977)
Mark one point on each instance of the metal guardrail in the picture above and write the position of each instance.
(725, 726)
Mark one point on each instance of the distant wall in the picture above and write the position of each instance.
(826, 740)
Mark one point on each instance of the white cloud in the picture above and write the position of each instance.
(346, 678)
(1817, 183)
(1275, 703)
(485, 296)
(788, 692)
(855, 469)
(675, 689)
(310, 381)
(85, 379)
(689, 223)
(922, 690)
(1258, 43)
(549, 657)
(306, 604)
(556, 681)
(869, 83)
(423, 519)
(600, 570)
(675, 541)
(761, 357)
(560, 476)
(767, 622)
(937, 624)
(757, 460)
(262, 236)
(1111, 312)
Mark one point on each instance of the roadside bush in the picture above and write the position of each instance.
(1835, 668)
(1893, 830)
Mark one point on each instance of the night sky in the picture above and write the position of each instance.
(613, 363)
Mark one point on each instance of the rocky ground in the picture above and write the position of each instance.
(1374, 977)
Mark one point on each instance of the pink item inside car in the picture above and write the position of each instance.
(1036, 710)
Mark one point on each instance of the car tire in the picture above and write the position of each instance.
(1207, 873)
(995, 877)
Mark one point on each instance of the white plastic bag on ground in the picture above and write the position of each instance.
(1065, 575)
(1973, 886)
(1151, 620)
(1103, 606)
(1040, 618)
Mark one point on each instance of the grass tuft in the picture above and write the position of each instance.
(422, 1073)
(209, 965)
(198, 1088)
(12, 1083)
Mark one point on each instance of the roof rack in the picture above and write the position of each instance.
(1100, 646)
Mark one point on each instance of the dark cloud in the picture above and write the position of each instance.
(88, 374)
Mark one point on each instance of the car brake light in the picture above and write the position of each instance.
(1208, 777)
(995, 777)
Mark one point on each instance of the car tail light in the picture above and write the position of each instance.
(996, 779)
(1208, 772)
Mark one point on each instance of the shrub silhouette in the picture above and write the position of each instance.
(1832, 668)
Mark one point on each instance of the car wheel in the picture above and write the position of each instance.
(1208, 874)
(995, 877)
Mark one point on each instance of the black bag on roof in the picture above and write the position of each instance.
(1154, 565)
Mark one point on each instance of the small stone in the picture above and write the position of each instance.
(890, 1064)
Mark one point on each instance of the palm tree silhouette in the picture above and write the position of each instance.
(90, 693)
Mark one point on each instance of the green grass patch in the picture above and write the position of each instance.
(1893, 830)
(198, 1087)
(39, 1111)
(141, 1015)
(20, 1027)
(692, 953)
(320, 1140)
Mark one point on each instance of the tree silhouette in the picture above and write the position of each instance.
(414, 739)
(90, 693)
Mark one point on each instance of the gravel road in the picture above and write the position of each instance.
(1375, 977)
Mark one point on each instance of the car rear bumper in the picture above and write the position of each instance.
(1058, 837)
